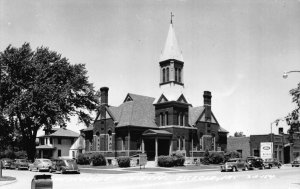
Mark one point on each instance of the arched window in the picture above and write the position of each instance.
(176, 74)
(166, 118)
(179, 75)
(162, 120)
(167, 79)
(164, 76)
(181, 119)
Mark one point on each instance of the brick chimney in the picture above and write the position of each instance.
(207, 104)
(104, 95)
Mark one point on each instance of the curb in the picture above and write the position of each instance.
(7, 182)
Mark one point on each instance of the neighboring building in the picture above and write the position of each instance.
(239, 144)
(157, 126)
(77, 148)
(56, 142)
(282, 149)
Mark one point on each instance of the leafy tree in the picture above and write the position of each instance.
(41, 89)
(293, 118)
(239, 134)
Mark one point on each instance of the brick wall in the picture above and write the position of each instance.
(239, 144)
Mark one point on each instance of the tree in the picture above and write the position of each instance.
(293, 118)
(42, 89)
(239, 134)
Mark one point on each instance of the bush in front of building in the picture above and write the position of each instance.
(178, 158)
(97, 159)
(165, 161)
(83, 159)
(205, 159)
(216, 158)
(123, 161)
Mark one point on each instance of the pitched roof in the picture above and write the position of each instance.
(78, 144)
(138, 111)
(171, 49)
(45, 147)
(152, 132)
(63, 132)
(194, 114)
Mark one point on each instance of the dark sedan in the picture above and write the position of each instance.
(271, 162)
(296, 163)
(255, 162)
(64, 165)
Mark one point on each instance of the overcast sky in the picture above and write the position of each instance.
(237, 49)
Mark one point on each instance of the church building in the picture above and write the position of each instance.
(157, 126)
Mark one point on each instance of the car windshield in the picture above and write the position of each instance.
(232, 160)
(23, 160)
(46, 161)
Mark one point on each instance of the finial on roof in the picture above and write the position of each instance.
(172, 15)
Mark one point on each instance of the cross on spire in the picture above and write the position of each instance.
(172, 15)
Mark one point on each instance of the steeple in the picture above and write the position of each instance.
(171, 67)
(171, 49)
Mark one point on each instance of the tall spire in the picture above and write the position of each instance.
(171, 17)
(171, 49)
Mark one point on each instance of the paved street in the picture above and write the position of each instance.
(286, 177)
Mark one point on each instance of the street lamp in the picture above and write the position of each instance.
(285, 74)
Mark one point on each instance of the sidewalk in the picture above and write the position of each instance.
(5, 180)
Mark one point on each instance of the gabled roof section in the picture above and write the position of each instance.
(63, 132)
(162, 99)
(182, 99)
(222, 130)
(78, 144)
(194, 114)
(152, 132)
(171, 49)
(139, 111)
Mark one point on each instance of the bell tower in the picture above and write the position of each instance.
(171, 60)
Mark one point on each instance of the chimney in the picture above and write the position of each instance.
(280, 130)
(104, 95)
(207, 104)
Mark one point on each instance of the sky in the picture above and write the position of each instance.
(236, 49)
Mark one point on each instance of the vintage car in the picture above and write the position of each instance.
(20, 164)
(271, 162)
(235, 164)
(6, 163)
(40, 165)
(64, 165)
(255, 162)
(296, 163)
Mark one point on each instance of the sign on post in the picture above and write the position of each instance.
(266, 150)
(142, 160)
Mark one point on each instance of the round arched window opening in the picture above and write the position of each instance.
(98, 134)
(109, 132)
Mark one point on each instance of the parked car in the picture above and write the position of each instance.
(255, 162)
(20, 164)
(64, 166)
(271, 162)
(6, 163)
(235, 164)
(40, 165)
(296, 163)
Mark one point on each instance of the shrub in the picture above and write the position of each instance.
(21, 154)
(97, 159)
(165, 161)
(178, 159)
(205, 159)
(123, 161)
(216, 158)
(83, 159)
(9, 154)
(231, 154)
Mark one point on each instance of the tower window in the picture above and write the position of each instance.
(179, 75)
(175, 74)
(166, 118)
(164, 75)
(162, 121)
(167, 79)
(181, 119)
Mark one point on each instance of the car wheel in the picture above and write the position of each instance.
(270, 166)
(263, 167)
(234, 169)
(246, 168)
